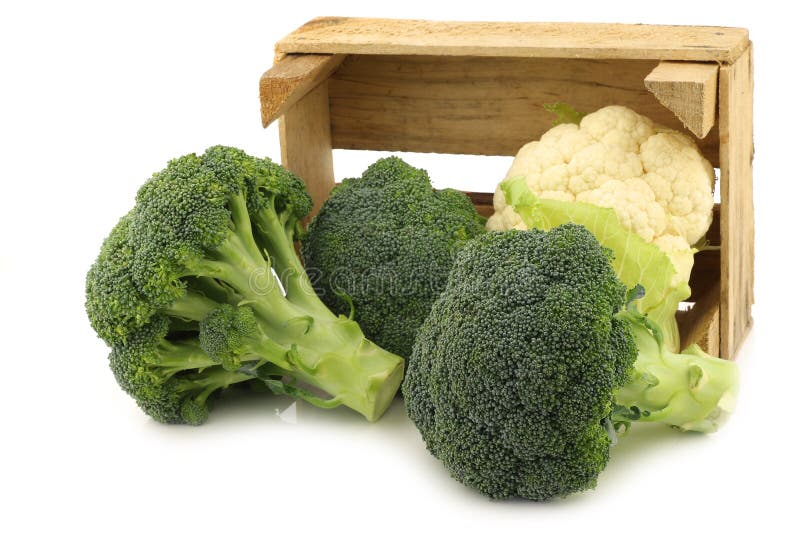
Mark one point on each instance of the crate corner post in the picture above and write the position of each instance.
(295, 91)
(737, 214)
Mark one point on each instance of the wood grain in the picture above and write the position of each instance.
(305, 136)
(479, 105)
(687, 89)
(736, 218)
(339, 35)
(290, 79)
(701, 324)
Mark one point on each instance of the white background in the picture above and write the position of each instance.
(94, 98)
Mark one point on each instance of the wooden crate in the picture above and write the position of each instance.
(478, 88)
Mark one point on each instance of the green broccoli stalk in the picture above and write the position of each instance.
(690, 390)
(191, 267)
(382, 246)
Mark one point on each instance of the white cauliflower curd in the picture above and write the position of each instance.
(655, 179)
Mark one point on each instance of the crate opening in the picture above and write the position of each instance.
(466, 172)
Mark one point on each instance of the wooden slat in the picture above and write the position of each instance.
(687, 89)
(484, 203)
(705, 272)
(489, 106)
(305, 136)
(736, 182)
(290, 79)
(700, 324)
(337, 35)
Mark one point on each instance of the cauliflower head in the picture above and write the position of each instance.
(655, 179)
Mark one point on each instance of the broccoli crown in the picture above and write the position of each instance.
(182, 218)
(512, 376)
(183, 291)
(384, 243)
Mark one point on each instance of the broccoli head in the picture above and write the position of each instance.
(198, 287)
(512, 377)
(383, 244)
(535, 356)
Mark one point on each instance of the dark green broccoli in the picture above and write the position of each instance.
(514, 375)
(185, 293)
(383, 244)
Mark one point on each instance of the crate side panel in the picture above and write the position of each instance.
(471, 105)
(736, 188)
(340, 35)
(700, 324)
(305, 136)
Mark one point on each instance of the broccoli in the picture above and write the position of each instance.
(517, 376)
(199, 287)
(383, 244)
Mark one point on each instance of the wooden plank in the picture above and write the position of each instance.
(489, 106)
(484, 203)
(736, 218)
(305, 136)
(700, 324)
(339, 35)
(290, 79)
(705, 272)
(687, 89)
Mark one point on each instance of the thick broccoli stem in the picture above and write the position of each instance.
(691, 390)
(321, 349)
(664, 317)
(329, 353)
(334, 356)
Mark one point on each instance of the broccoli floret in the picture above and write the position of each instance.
(172, 380)
(512, 376)
(383, 244)
(533, 357)
(186, 292)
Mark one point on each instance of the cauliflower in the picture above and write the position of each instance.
(654, 178)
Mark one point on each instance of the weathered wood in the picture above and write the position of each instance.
(305, 136)
(736, 218)
(687, 89)
(484, 203)
(468, 105)
(292, 78)
(339, 35)
(705, 272)
(700, 324)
